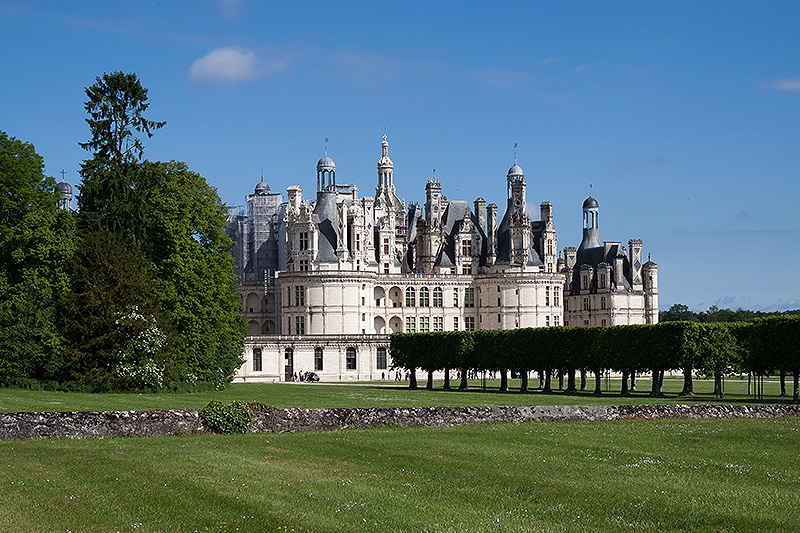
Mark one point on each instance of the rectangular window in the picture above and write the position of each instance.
(437, 297)
(498, 302)
(556, 294)
(424, 297)
(385, 246)
(300, 325)
(586, 304)
(555, 320)
(317, 359)
(289, 326)
(304, 240)
(350, 359)
(469, 323)
(411, 324)
(424, 324)
(411, 297)
(304, 265)
(498, 318)
(469, 297)
(455, 297)
(603, 322)
(466, 247)
(257, 360)
(299, 296)
(466, 269)
(602, 302)
(358, 242)
(438, 323)
(547, 321)
(381, 364)
(455, 323)
(547, 296)
(386, 268)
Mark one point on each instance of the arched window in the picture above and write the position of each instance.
(317, 359)
(424, 297)
(411, 297)
(437, 297)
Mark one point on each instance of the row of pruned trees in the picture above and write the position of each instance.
(765, 345)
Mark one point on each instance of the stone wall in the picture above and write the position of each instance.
(158, 422)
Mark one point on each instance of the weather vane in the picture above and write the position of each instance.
(326, 146)
(515, 153)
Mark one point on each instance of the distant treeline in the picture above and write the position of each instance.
(766, 345)
(680, 312)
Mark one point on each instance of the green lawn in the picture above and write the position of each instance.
(653, 475)
(375, 394)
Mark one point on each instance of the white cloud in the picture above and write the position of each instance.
(501, 78)
(228, 65)
(785, 84)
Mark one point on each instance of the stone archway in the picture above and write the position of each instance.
(380, 325)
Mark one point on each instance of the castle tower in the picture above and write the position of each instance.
(650, 283)
(519, 227)
(591, 226)
(433, 200)
(385, 167)
(326, 173)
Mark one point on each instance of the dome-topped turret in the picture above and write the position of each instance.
(64, 188)
(590, 203)
(262, 188)
(515, 170)
(326, 163)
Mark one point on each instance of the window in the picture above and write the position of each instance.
(566, 305)
(455, 323)
(603, 322)
(350, 359)
(469, 297)
(466, 269)
(469, 323)
(455, 297)
(317, 359)
(466, 247)
(438, 323)
(602, 281)
(385, 246)
(556, 293)
(299, 296)
(380, 364)
(437, 297)
(424, 324)
(289, 326)
(555, 320)
(547, 320)
(300, 325)
(585, 282)
(386, 268)
(411, 297)
(411, 324)
(424, 297)
(257, 360)
(304, 265)
(547, 296)
(498, 302)
(586, 304)
(358, 242)
(498, 318)
(304, 240)
(602, 302)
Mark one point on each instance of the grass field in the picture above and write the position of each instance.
(376, 394)
(655, 475)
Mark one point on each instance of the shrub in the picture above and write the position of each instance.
(235, 417)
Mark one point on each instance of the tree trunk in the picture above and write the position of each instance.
(624, 391)
(547, 379)
(446, 385)
(503, 380)
(560, 379)
(633, 381)
(783, 382)
(717, 384)
(688, 386)
(660, 381)
(463, 385)
(583, 378)
(796, 395)
(412, 384)
(429, 385)
(571, 381)
(598, 382)
(523, 386)
(655, 389)
(541, 380)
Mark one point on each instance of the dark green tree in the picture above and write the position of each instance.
(36, 241)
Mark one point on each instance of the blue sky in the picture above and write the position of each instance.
(683, 116)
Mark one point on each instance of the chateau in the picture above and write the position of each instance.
(324, 281)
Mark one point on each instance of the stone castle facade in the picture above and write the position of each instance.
(325, 281)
